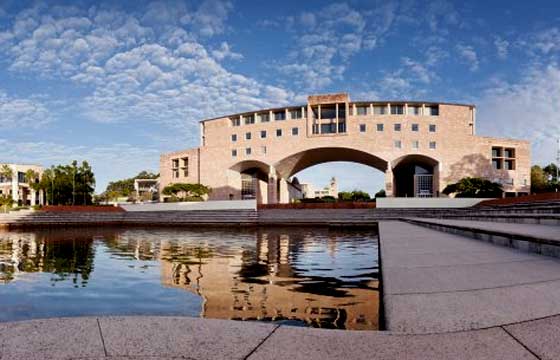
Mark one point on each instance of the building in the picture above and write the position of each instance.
(17, 185)
(309, 191)
(419, 146)
(146, 189)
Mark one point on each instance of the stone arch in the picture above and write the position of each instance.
(415, 175)
(250, 180)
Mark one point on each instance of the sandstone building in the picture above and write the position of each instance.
(16, 185)
(421, 147)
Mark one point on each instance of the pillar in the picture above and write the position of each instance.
(389, 181)
(272, 191)
(33, 196)
(284, 192)
(15, 187)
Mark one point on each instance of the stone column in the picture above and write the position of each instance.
(389, 183)
(33, 196)
(15, 187)
(272, 197)
(284, 193)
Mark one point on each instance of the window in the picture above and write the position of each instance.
(397, 127)
(496, 152)
(432, 127)
(362, 110)
(398, 144)
(497, 164)
(397, 109)
(185, 166)
(247, 151)
(379, 110)
(315, 129)
(379, 127)
(234, 137)
(328, 112)
(433, 110)
(415, 127)
(328, 128)
(248, 136)
(342, 127)
(175, 168)
(278, 132)
(234, 153)
(249, 119)
(509, 164)
(280, 115)
(295, 131)
(415, 144)
(264, 117)
(509, 153)
(263, 150)
(362, 127)
(235, 122)
(295, 114)
(414, 110)
(263, 134)
(432, 145)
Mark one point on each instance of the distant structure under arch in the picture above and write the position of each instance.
(420, 146)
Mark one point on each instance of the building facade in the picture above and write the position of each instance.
(16, 184)
(308, 191)
(419, 146)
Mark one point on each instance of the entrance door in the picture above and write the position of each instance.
(248, 186)
(423, 185)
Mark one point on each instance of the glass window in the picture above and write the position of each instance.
(175, 163)
(234, 137)
(328, 112)
(362, 127)
(509, 164)
(280, 115)
(397, 109)
(248, 136)
(278, 132)
(235, 122)
(497, 164)
(432, 145)
(433, 110)
(414, 110)
(379, 127)
(328, 128)
(379, 110)
(496, 152)
(247, 151)
(398, 144)
(234, 153)
(263, 134)
(295, 114)
(415, 144)
(264, 117)
(249, 119)
(342, 127)
(432, 127)
(295, 131)
(397, 127)
(361, 110)
(509, 153)
(415, 127)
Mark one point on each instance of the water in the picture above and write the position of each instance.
(306, 277)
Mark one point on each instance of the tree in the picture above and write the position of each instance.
(539, 181)
(68, 184)
(474, 188)
(6, 172)
(354, 195)
(380, 194)
(125, 187)
(186, 192)
(6, 202)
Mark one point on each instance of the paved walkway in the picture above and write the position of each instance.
(436, 282)
(194, 338)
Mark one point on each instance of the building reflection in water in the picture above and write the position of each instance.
(312, 277)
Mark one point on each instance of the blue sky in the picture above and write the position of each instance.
(117, 83)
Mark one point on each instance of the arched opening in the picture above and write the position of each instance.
(415, 176)
(251, 181)
(345, 164)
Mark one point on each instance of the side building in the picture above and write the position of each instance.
(14, 183)
(421, 147)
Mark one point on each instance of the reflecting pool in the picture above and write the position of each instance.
(301, 276)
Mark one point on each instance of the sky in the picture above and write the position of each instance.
(119, 82)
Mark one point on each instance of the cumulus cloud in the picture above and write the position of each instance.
(21, 113)
(469, 56)
(502, 47)
(525, 110)
(225, 52)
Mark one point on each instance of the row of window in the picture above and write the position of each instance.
(396, 109)
(265, 117)
(398, 127)
(183, 168)
(415, 144)
(264, 134)
(397, 144)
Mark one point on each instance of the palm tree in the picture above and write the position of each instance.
(6, 172)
